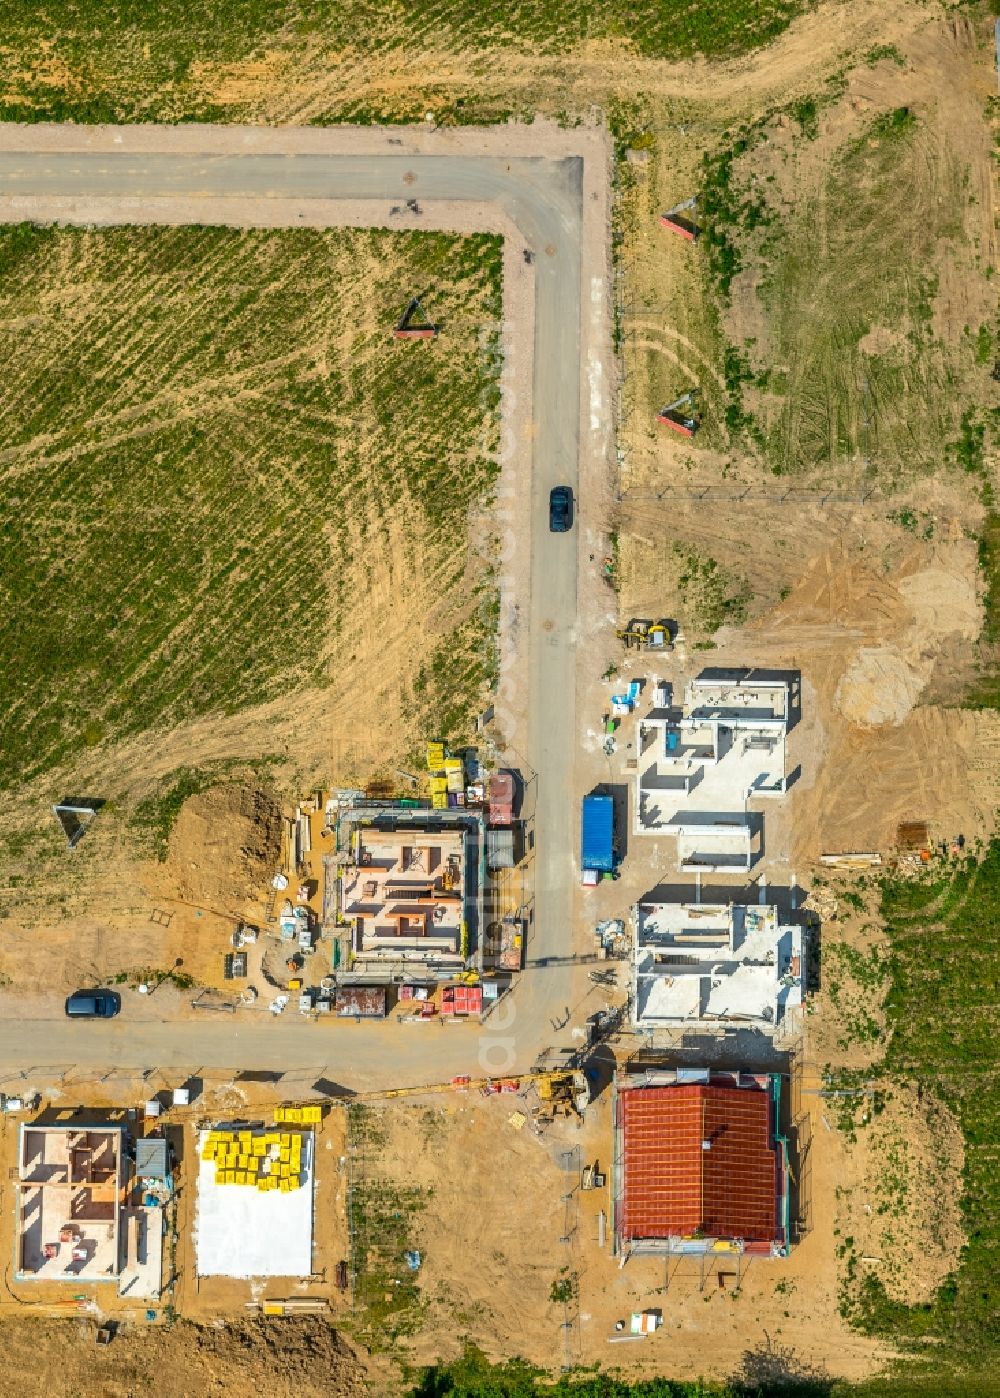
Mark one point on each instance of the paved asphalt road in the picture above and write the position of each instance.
(544, 199)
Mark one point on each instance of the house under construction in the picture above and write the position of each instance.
(83, 1214)
(700, 1164)
(700, 763)
(714, 965)
(411, 890)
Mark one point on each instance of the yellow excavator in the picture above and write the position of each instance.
(646, 635)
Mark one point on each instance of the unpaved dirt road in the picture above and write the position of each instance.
(551, 189)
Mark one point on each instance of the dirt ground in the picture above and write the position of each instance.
(488, 1275)
(285, 1358)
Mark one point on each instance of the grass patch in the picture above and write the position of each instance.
(381, 1218)
(770, 1370)
(884, 53)
(890, 124)
(727, 209)
(863, 381)
(855, 983)
(711, 595)
(205, 432)
(941, 1006)
(131, 60)
(968, 452)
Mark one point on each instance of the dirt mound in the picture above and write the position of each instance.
(224, 848)
(883, 683)
(880, 686)
(285, 1357)
(906, 1221)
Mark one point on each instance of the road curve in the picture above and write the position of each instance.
(113, 175)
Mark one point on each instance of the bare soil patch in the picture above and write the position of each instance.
(488, 1274)
(223, 850)
(284, 1357)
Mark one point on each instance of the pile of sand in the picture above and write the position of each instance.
(225, 847)
(883, 682)
(880, 686)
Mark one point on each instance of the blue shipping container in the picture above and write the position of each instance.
(597, 827)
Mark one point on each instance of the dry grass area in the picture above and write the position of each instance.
(364, 59)
(213, 448)
(837, 316)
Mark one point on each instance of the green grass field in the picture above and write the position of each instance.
(202, 432)
(942, 1015)
(853, 372)
(133, 60)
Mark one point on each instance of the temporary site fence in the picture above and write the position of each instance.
(788, 495)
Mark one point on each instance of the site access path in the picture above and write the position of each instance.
(547, 192)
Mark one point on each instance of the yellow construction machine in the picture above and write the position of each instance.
(646, 635)
(562, 1094)
(561, 1091)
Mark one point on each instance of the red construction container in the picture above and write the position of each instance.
(501, 798)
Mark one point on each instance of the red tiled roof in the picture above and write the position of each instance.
(673, 1187)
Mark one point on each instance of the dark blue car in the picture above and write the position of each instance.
(93, 1004)
(560, 509)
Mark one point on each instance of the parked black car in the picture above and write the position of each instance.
(560, 509)
(93, 1004)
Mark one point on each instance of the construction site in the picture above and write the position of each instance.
(494, 928)
(714, 964)
(699, 764)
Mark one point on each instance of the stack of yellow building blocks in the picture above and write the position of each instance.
(267, 1159)
(298, 1116)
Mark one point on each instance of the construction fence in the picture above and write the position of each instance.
(789, 495)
